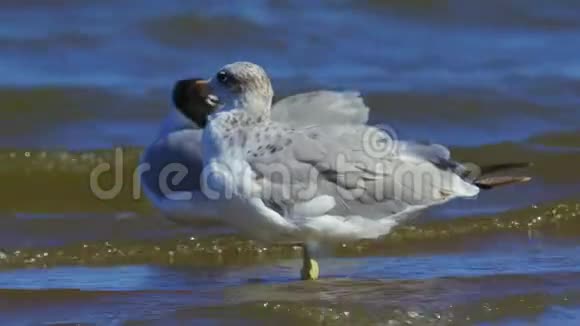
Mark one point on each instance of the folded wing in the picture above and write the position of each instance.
(321, 107)
(299, 167)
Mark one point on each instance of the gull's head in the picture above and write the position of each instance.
(239, 85)
(242, 85)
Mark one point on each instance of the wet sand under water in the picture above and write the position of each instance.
(517, 266)
(511, 255)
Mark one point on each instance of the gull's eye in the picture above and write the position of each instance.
(223, 77)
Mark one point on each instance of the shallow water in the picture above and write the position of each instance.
(497, 81)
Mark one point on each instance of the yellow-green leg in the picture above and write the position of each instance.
(309, 269)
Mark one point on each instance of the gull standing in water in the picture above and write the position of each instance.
(173, 162)
(277, 182)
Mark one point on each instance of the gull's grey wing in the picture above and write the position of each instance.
(180, 140)
(178, 149)
(430, 152)
(171, 176)
(321, 107)
(333, 161)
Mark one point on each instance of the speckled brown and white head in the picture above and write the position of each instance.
(239, 85)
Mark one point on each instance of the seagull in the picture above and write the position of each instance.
(278, 182)
(172, 164)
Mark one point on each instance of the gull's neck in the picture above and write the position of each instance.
(253, 103)
(244, 111)
(227, 131)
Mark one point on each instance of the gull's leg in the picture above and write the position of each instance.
(309, 266)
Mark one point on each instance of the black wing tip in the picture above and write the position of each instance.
(487, 183)
(487, 169)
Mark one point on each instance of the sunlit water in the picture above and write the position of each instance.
(497, 81)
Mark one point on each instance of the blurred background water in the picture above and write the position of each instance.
(495, 80)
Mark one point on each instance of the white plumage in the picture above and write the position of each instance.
(262, 168)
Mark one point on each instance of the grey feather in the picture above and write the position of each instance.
(331, 160)
(180, 139)
(321, 107)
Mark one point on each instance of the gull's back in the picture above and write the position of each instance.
(326, 180)
(179, 142)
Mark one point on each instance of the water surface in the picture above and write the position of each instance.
(496, 81)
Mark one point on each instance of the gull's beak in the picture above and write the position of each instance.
(201, 86)
(194, 99)
(193, 90)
